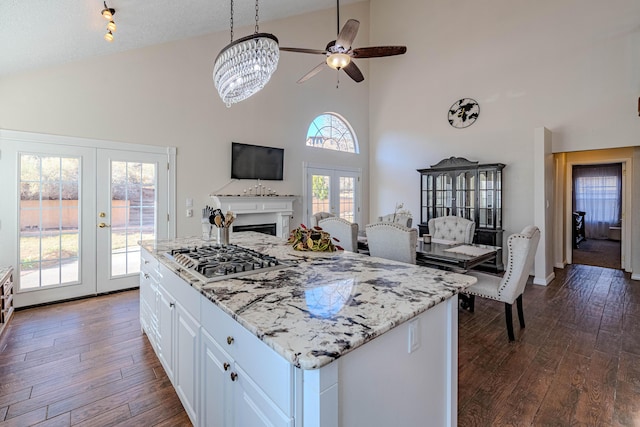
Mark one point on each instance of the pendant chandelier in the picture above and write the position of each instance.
(245, 66)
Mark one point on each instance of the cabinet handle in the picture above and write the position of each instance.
(172, 304)
(234, 376)
(226, 366)
(229, 340)
(146, 275)
(146, 262)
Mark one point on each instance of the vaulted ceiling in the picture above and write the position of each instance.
(40, 33)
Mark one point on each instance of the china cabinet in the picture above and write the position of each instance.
(457, 186)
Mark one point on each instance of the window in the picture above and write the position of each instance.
(597, 191)
(332, 132)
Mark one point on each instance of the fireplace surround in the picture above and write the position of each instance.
(257, 211)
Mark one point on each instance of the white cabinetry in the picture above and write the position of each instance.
(244, 382)
(170, 315)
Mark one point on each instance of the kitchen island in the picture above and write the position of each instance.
(328, 340)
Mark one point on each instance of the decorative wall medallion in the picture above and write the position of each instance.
(463, 113)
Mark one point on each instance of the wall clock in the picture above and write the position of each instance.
(463, 113)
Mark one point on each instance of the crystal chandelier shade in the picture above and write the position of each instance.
(245, 66)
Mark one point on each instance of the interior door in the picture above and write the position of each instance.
(131, 206)
(333, 190)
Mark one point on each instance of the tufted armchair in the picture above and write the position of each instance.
(452, 228)
(402, 219)
(392, 241)
(521, 253)
(346, 232)
(316, 217)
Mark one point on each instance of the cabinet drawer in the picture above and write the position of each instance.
(182, 291)
(265, 367)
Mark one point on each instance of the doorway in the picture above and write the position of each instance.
(76, 212)
(333, 190)
(597, 214)
(565, 202)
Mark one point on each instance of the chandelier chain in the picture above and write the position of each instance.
(231, 20)
(257, 28)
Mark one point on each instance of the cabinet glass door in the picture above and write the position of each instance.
(444, 195)
(427, 198)
(465, 195)
(487, 201)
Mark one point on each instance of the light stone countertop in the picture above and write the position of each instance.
(325, 304)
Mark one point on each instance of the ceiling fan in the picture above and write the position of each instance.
(340, 54)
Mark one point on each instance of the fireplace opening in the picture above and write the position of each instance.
(260, 228)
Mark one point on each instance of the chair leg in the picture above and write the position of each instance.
(467, 301)
(520, 313)
(507, 312)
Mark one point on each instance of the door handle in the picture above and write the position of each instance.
(103, 225)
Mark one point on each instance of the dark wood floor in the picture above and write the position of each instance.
(84, 362)
(576, 363)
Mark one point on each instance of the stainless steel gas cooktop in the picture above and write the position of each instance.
(211, 263)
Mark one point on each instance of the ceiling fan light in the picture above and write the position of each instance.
(111, 26)
(109, 36)
(338, 60)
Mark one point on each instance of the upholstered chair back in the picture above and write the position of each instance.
(452, 228)
(346, 232)
(402, 219)
(316, 217)
(521, 250)
(392, 241)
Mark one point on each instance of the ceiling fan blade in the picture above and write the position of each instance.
(313, 72)
(378, 51)
(348, 34)
(303, 50)
(354, 72)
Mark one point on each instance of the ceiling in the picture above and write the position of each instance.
(41, 33)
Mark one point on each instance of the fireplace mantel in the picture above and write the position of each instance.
(259, 210)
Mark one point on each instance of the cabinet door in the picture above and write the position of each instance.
(215, 390)
(252, 407)
(186, 359)
(165, 330)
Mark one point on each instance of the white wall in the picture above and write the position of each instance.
(571, 66)
(164, 95)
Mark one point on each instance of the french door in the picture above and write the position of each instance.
(72, 220)
(333, 190)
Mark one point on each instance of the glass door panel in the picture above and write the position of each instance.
(130, 208)
(49, 221)
(334, 191)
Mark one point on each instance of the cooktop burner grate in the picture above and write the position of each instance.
(217, 262)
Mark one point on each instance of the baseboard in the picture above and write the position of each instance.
(545, 281)
(560, 265)
(635, 277)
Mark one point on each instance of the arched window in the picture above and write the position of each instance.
(332, 132)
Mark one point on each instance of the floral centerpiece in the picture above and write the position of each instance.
(312, 239)
(400, 212)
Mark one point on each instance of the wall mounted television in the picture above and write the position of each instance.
(256, 162)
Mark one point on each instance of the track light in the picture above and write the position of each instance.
(107, 13)
(111, 26)
(109, 36)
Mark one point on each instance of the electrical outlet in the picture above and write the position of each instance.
(189, 213)
(414, 336)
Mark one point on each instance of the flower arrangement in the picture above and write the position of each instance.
(400, 211)
(312, 239)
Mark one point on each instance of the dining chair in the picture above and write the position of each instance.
(316, 217)
(521, 249)
(392, 241)
(346, 232)
(402, 219)
(452, 228)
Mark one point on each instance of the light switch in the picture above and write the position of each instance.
(189, 202)
(414, 335)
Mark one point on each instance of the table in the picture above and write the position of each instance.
(459, 256)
